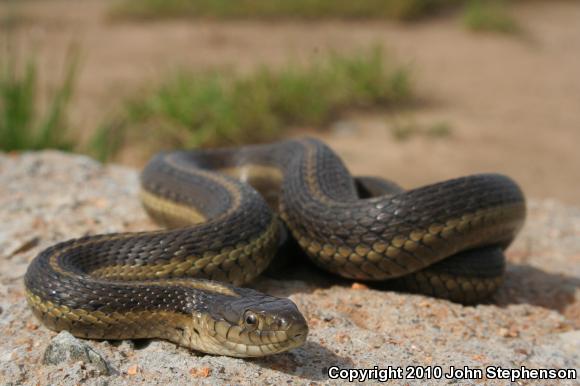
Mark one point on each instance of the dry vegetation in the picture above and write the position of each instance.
(279, 9)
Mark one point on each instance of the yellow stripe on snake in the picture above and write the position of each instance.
(222, 210)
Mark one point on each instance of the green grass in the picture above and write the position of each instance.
(107, 140)
(276, 9)
(439, 130)
(23, 124)
(477, 15)
(404, 128)
(201, 109)
(29, 121)
(193, 109)
(489, 16)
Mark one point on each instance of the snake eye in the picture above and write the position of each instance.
(251, 318)
(282, 323)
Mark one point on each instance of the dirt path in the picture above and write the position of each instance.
(513, 104)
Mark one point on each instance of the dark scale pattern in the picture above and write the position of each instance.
(394, 235)
(170, 176)
(444, 239)
(80, 258)
(97, 295)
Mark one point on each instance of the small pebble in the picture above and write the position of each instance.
(133, 370)
(66, 348)
(203, 372)
(359, 286)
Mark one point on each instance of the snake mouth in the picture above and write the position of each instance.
(262, 349)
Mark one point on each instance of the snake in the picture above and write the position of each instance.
(223, 214)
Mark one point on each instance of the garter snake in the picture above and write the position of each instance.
(181, 283)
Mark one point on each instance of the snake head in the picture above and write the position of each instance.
(251, 325)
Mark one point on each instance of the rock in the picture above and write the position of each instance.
(66, 348)
(533, 321)
(570, 343)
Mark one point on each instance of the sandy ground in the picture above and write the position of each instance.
(512, 102)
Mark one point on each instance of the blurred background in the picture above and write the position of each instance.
(413, 90)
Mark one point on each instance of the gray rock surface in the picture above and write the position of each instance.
(533, 321)
(65, 348)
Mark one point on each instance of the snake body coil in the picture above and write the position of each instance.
(445, 240)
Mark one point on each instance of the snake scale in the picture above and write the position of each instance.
(221, 210)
